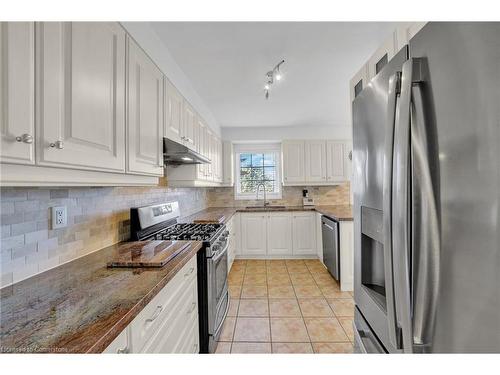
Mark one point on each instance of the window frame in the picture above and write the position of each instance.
(257, 149)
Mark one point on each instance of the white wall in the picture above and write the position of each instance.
(279, 133)
(145, 36)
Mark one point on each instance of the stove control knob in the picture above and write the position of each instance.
(215, 248)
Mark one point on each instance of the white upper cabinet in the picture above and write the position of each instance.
(188, 134)
(279, 233)
(174, 107)
(293, 162)
(17, 92)
(201, 148)
(315, 161)
(335, 164)
(253, 234)
(304, 233)
(381, 57)
(145, 113)
(405, 32)
(359, 82)
(81, 87)
(228, 164)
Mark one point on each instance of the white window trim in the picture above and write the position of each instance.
(274, 148)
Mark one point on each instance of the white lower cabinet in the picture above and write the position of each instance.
(121, 344)
(254, 234)
(167, 324)
(304, 233)
(279, 233)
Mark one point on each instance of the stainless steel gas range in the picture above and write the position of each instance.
(160, 222)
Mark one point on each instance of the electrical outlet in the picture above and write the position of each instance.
(59, 217)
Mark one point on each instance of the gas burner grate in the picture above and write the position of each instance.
(190, 232)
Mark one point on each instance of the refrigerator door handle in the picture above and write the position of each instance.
(401, 190)
(426, 241)
(394, 91)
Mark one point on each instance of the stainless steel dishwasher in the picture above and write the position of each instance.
(331, 253)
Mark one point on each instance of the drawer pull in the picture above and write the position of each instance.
(123, 351)
(158, 311)
(193, 307)
(189, 272)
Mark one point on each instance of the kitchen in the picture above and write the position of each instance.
(158, 197)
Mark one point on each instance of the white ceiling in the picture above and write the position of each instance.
(226, 63)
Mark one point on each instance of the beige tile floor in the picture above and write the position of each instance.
(286, 306)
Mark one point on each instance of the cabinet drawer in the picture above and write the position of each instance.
(120, 345)
(172, 330)
(147, 322)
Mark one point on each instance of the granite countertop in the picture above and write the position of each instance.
(224, 214)
(81, 306)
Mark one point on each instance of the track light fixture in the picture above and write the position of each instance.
(272, 75)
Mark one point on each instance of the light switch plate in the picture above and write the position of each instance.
(59, 217)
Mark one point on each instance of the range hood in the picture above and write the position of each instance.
(177, 154)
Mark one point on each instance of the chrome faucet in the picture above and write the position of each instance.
(265, 203)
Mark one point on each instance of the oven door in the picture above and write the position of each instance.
(218, 297)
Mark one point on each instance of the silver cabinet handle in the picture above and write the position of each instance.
(57, 144)
(191, 270)
(350, 155)
(125, 350)
(193, 307)
(25, 138)
(157, 312)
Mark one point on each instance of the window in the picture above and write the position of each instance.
(257, 168)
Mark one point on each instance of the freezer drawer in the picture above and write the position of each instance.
(365, 341)
(330, 235)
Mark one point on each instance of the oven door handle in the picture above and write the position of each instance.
(225, 316)
(221, 253)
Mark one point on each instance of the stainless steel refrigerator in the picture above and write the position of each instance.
(426, 137)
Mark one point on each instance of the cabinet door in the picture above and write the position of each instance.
(228, 164)
(210, 166)
(315, 161)
(293, 161)
(17, 92)
(173, 112)
(145, 113)
(201, 148)
(279, 233)
(81, 95)
(304, 233)
(253, 234)
(120, 344)
(348, 161)
(381, 57)
(189, 126)
(359, 82)
(335, 161)
(219, 160)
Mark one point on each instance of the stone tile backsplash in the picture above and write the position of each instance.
(292, 196)
(97, 217)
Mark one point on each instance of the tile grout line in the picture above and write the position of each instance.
(334, 314)
(301, 314)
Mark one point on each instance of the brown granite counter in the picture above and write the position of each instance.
(212, 214)
(223, 214)
(81, 306)
(337, 212)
